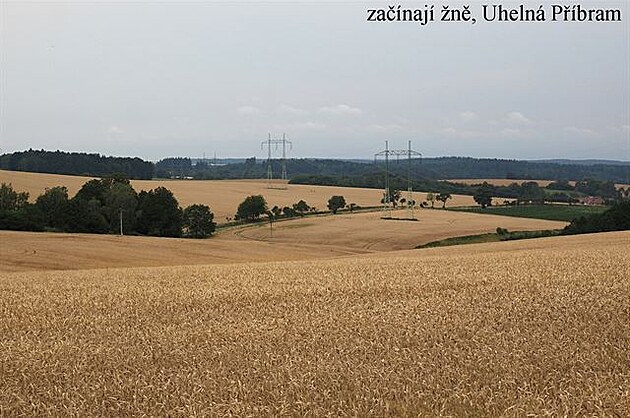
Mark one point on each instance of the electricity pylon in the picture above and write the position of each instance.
(387, 208)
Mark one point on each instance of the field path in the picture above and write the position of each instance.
(367, 231)
(300, 239)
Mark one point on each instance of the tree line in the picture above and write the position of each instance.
(615, 218)
(76, 163)
(341, 172)
(101, 206)
(349, 172)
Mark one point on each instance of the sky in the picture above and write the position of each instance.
(160, 79)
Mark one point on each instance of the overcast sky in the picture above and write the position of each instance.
(182, 79)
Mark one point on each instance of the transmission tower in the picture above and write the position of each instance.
(270, 142)
(387, 208)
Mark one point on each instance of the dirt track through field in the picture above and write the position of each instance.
(307, 238)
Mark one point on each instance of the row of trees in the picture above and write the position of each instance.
(316, 171)
(254, 207)
(76, 163)
(561, 191)
(108, 205)
(616, 218)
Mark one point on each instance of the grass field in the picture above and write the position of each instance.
(311, 237)
(535, 327)
(223, 196)
(550, 212)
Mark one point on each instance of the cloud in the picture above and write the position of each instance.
(516, 117)
(458, 133)
(341, 109)
(115, 130)
(249, 110)
(510, 132)
(295, 111)
(468, 116)
(385, 128)
(585, 132)
(302, 126)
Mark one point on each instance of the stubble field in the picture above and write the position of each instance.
(223, 196)
(300, 239)
(507, 182)
(529, 327)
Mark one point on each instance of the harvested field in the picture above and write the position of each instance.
(536, 327)
(311, 237)
(223, 196)
(507, 182)
(368, 231)
(29, 251)
(500, 182)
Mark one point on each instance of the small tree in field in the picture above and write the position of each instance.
(198, 221)
(251, 208)
(301, 207)
(335, 203)
(443, 197)
(394, 197)
(483, 195)
(431, 199)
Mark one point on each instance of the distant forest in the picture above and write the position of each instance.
(74, 163)
(428, 168)
(320, 171)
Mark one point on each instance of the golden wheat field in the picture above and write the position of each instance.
(538, 327)
(307, 238)
(223, 196)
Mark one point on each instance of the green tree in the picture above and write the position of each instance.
(94, 189)
(431, 198)
(86, 216)
(531, 192)
(276, 211)
(10, 199)
(560, 185)
(119, 198)
(251, 208)
(198, 221)
(394, 197)
(53, 204)
(443, 197)
(301, 207)
(483, 195)
(289, 212)
(159, 213)
(335, 203)
(616, 218)
(115, 178)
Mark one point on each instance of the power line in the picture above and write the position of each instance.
(269, 143)
(387, 208)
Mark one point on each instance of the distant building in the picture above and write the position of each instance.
(591, 200)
